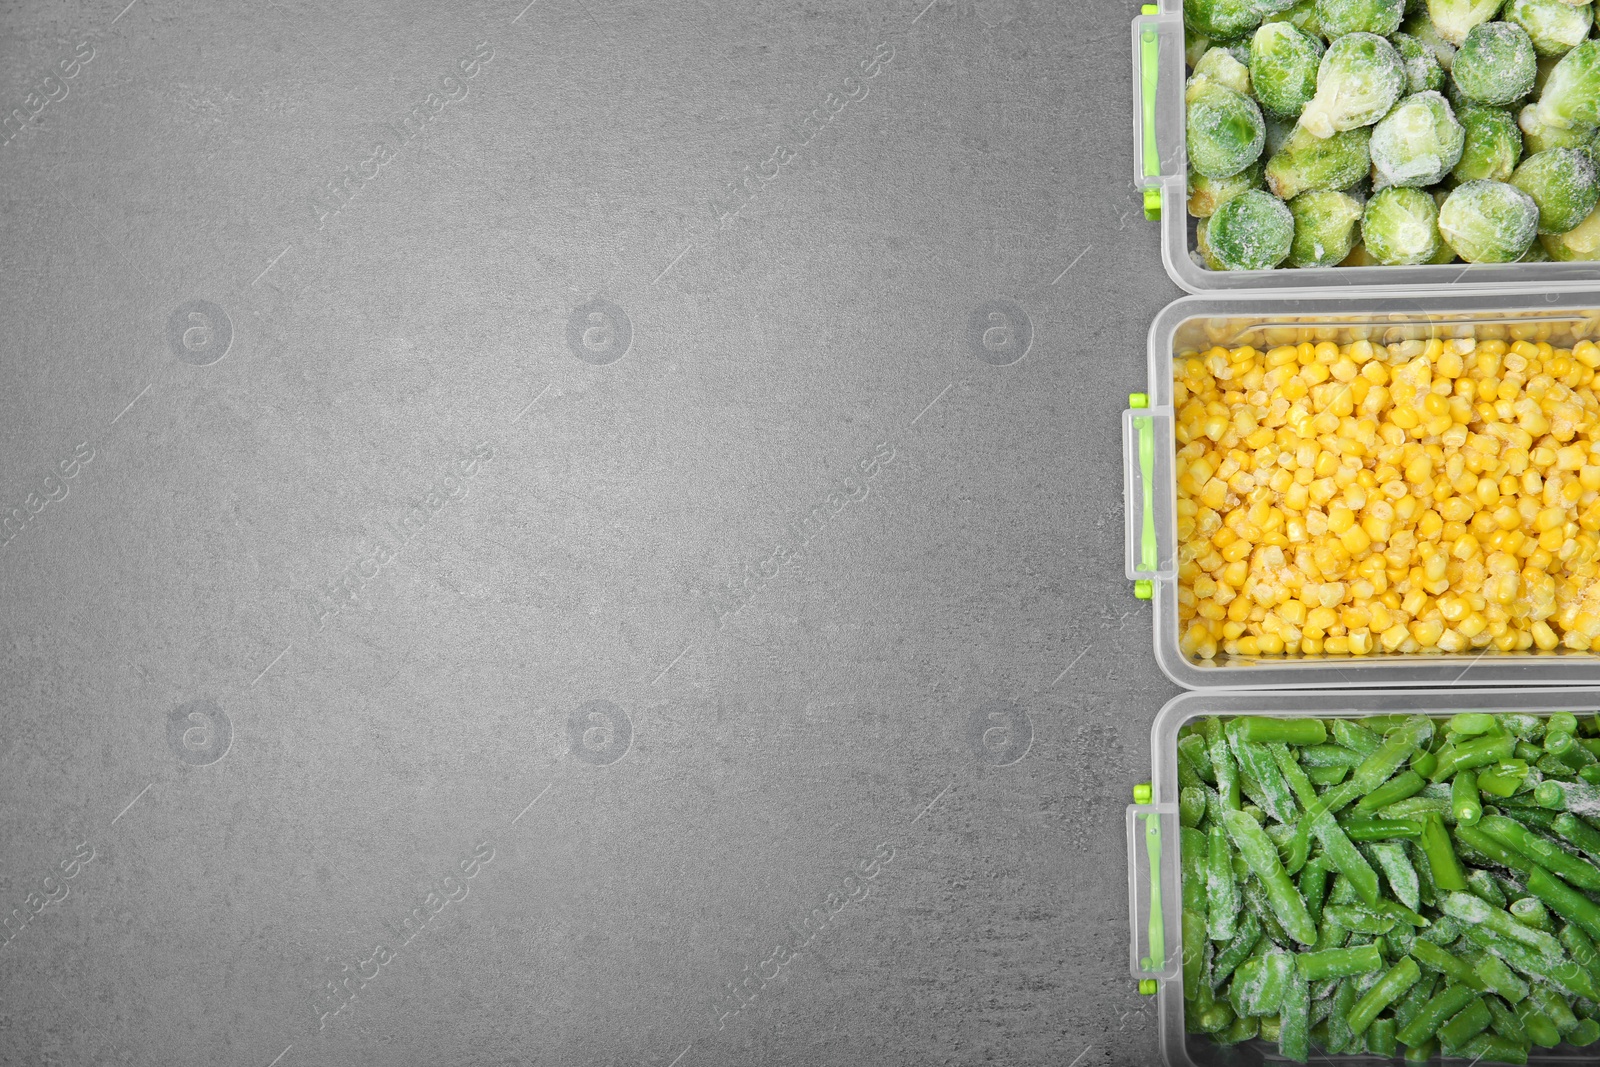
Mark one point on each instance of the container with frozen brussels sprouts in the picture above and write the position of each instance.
(1371, 142)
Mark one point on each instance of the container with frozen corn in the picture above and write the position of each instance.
(1385, 874)
(1334, 143)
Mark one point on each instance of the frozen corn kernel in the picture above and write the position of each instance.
(1344, 497)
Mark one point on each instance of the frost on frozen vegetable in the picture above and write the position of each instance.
(1493, 144)
(1489, 222)
(1224, 128)
(1571, 95)
(1563, 183)
(1496, 64)
(1423, 73)
(1252, 231)
(1454, 19)
(1292, 97)
(1311, 162)
(1581, 243)
(1339, 17)
(1283, 67)
(1418, 142)
(1400, 226)
(1359, 80)
(1324, 227)
(1554, 26)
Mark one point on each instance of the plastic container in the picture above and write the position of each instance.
(1160, 169)
(1151, 492)
(1155, 899)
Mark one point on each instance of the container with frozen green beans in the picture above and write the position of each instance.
(1411, 876)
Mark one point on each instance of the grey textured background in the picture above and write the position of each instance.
(952, 668)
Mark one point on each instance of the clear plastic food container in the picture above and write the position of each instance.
(1155, 897)
(1151, 489)
(1160, 169)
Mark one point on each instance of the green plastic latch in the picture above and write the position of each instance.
(1138, 400)
(1149, 56)
(1147, 475)
(1152, 840)
(1144, 589)
(1148, 987)
(1143, 793)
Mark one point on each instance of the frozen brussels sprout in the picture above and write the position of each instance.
(1538, 137)
(1554, 26)
(1580, 243)
(1571, 95)
(1202, 246)
(1493, 145)
(1309, 162)
(1489, 222)
(1423, 73)
(1420, 27)
(1401, 227)
(1224, 129)
(1536, 253)
(1279, 130)
(1563, 183)
(1339, 17)
(1208, 194)
(1221, 19)
(1324, 227)
(1223, 67)
(1302, 15)
(1495, 65)
(1283, 67)
(1252, 231)
(1418, 142)
(1359, 80)
(1195, 45)
(1454, 19)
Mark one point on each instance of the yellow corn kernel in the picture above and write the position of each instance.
(1355, 540)
(1271, 644)
(1360, 642)
(1393, 636)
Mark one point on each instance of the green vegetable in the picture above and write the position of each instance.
(1221, 19)
(1224, 129)
(1554, 26)
(1423, 72)
(1466, 1024)
(1262, 856)
(1454, 19)
(1401, 225)
(1252, 231)
(1358, 81)
(1393, 985)
(1496, 64)
(1325, 227)
(1571, 95)
(1464, 802)
(1339, 17)
(1564, 184)
(1418, 142)
(1488, 222)
(1339, 963)
(1283, 67)
(1434, 1014)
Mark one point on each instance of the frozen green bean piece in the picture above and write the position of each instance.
(1530, 912)
(1402, 786)
(1241, 948)
(1314, 888)
(1542, 850)
(1381, 829)
(1380, 1038)
(1442, 860)
(1440, 1008)
(1541, 1029)
(1340, 1036)
(1222, 765)
(1359, 919)
(1188, 777)
(1494, 976)
(1492, 1048)
(1482, 884)
(1464, 800)
(1587, 1032)
(1256, 761)
(1194, 948)
(1552, 1007)
(1192, 851)
(1325, 776)
(1462, 1027)
(1502, 779)
(1527, 727)
(1503, 1020)
(1262, 856)
(1452, 966)
(1255, 900)
(1562, 721)
(1294, 1021)
(1470, 723)
(1242, 1029)
(1397, 871)
(1330, 755)
(1339, 963)
(1553, 968)
(1536, 818)
(1245, 988)
(1193, 747)
(1427, 891)
(1393, 985)
(1262, 730)
(1473, 837)
(1477, 752)
(1565, 901)
(1414, 1000)
(1191, 805)
(1581, 948)
(1416, 807)
(1354, 736)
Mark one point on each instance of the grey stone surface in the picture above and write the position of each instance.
(931, 694)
